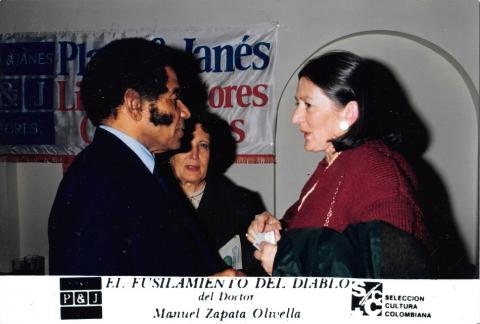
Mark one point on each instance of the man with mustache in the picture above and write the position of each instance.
(111, 215)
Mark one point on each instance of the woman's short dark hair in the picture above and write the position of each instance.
(223, 147)
(130, 63)
(344, 77)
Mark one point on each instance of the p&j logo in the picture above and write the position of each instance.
(80, 298)
(367, 298)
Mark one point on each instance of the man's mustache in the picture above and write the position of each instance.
(158, 118)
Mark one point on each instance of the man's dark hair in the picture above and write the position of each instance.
(130, 63)
(345, 77)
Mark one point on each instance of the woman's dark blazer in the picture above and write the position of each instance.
(227, 210)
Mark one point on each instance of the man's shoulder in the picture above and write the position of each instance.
(105, 163)
(103, 150)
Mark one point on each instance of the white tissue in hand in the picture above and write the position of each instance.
(268, 237)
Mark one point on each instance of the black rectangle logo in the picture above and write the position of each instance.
(86, 283)
(81, 312)
(27, 128)
(27, 58)
(81, 298)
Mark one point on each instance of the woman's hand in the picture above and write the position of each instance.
(264, 222)
(266, 255)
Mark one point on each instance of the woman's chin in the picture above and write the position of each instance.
(311, 148)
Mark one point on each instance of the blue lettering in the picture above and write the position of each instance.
(206, 60)
(261, 55)
(206, 65)
(239, 54)
(228, 57)
(68, 52)
(189, 45)
(81, 59)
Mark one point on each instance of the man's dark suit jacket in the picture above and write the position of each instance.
(111, 216)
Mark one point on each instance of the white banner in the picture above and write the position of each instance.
(44, 299)
(41, 115)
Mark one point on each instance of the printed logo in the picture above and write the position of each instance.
(80, 298)
(27, 93)
(367, 298)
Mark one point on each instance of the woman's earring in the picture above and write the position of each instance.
(343, 125)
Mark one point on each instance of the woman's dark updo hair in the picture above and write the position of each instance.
(345, 77)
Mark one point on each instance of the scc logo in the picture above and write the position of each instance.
(367, 298)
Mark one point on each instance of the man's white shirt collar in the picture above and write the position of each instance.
(140, 150)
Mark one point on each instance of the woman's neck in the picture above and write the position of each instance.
(330, 157)
(189, 188)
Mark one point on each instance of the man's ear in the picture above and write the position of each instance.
(133, 104)
(350, 112)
